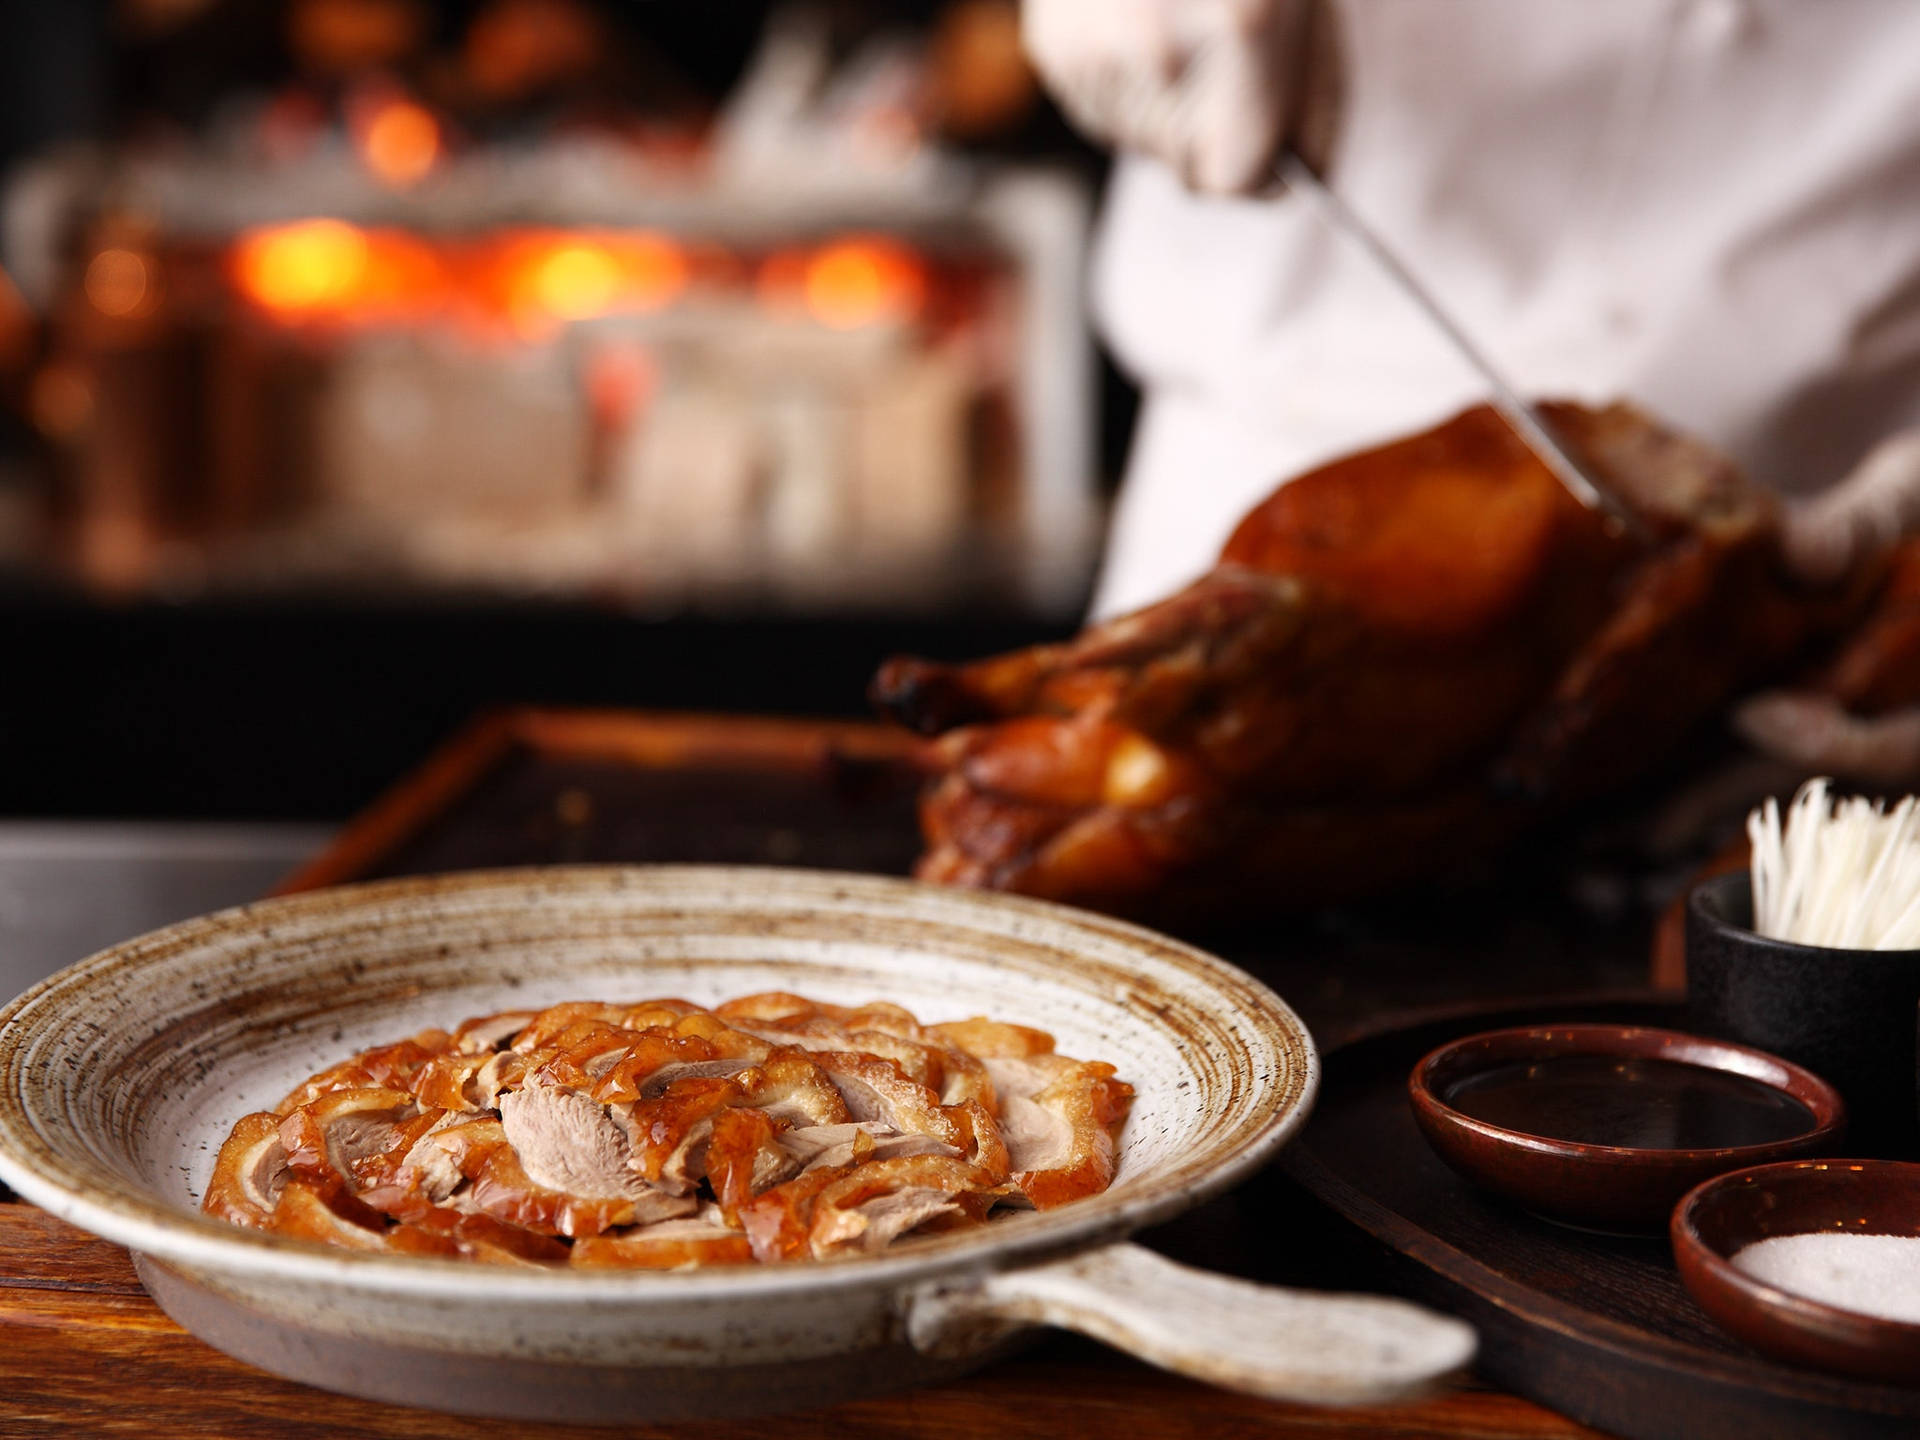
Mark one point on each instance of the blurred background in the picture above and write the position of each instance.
(366, 363)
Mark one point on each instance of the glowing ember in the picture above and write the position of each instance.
(531, 282)
(315, 269)
(580, 276)
(306, 266)
(400, 143)
(858, 282)
(575, 282)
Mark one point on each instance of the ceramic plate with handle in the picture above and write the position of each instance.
(120, 1075)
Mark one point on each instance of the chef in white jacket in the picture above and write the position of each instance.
(1709, 207)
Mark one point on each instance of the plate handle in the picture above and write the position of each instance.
(1299, 1345)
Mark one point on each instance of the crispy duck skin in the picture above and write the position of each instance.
(384, 1066)
(1877, 670)
(661, 1136)
(1402, 660)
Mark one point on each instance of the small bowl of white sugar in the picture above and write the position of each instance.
(1816, 1262)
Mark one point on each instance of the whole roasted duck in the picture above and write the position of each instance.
(1402, 661)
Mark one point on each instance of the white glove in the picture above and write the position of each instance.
(1818, 736)
(1208, 86)
(1876, 506)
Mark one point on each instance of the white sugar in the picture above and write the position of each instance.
(1873, 1274)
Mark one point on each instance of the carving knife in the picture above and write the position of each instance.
(1526, 421)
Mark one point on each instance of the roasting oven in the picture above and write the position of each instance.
(574, 365)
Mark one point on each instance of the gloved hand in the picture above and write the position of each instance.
(1876, 506)
(1817, 736)
(1873, 508)
(1212, 87)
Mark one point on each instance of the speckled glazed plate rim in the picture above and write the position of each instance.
(125, 1213)
(1421, 1088)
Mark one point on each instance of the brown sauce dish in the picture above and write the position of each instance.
(1607, 1126)
(1724, 1216)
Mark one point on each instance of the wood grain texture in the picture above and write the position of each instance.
(82, 1349)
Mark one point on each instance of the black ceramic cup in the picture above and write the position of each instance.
(1846, 1015)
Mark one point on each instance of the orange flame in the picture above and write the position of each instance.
(560, 277)
(532, 282)
(315, 269)
(860, 281)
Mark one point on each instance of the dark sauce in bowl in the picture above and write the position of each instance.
(1633, 1103)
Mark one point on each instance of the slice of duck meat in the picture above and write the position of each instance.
(569, 1144)
(565, 1023)
(780, 1012)
(327, 1214)
(857, 1141)
(468, 1081)
(769, 1007)
(249, 1172)
(441, 1159)
(721, 1034)
(503, 1189)
(384, 1067)
(1058, 1117)
(875, 1089)
(744, 1156)
(778, 1222)
(344, 1128)
(923, 1064)
(470, 1166)
(794, 1090)
(670, 1245)
(379, 1169)
(662, 1014)
(486, 1033)
(981, 1140)
(482, 1237)
(964, 1079)
(924, 1057)
(863, 1208)
(551, 1026)
(650, 1061)
(994, 1038)
(869, 1208)
(667, 1076)
(306, 1212)
(670, 1133)
(922, 1053)
(583, 1056)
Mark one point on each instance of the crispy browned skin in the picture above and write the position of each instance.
(663, 1136)
(1402, 660)
(1878, 668)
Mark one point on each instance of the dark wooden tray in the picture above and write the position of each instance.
(536, 786)
(1594, 1327)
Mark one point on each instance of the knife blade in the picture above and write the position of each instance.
(1525, 420)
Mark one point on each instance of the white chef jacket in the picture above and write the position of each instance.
(1709, 207)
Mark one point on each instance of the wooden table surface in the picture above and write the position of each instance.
(86, 1352)
(83, 1350)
